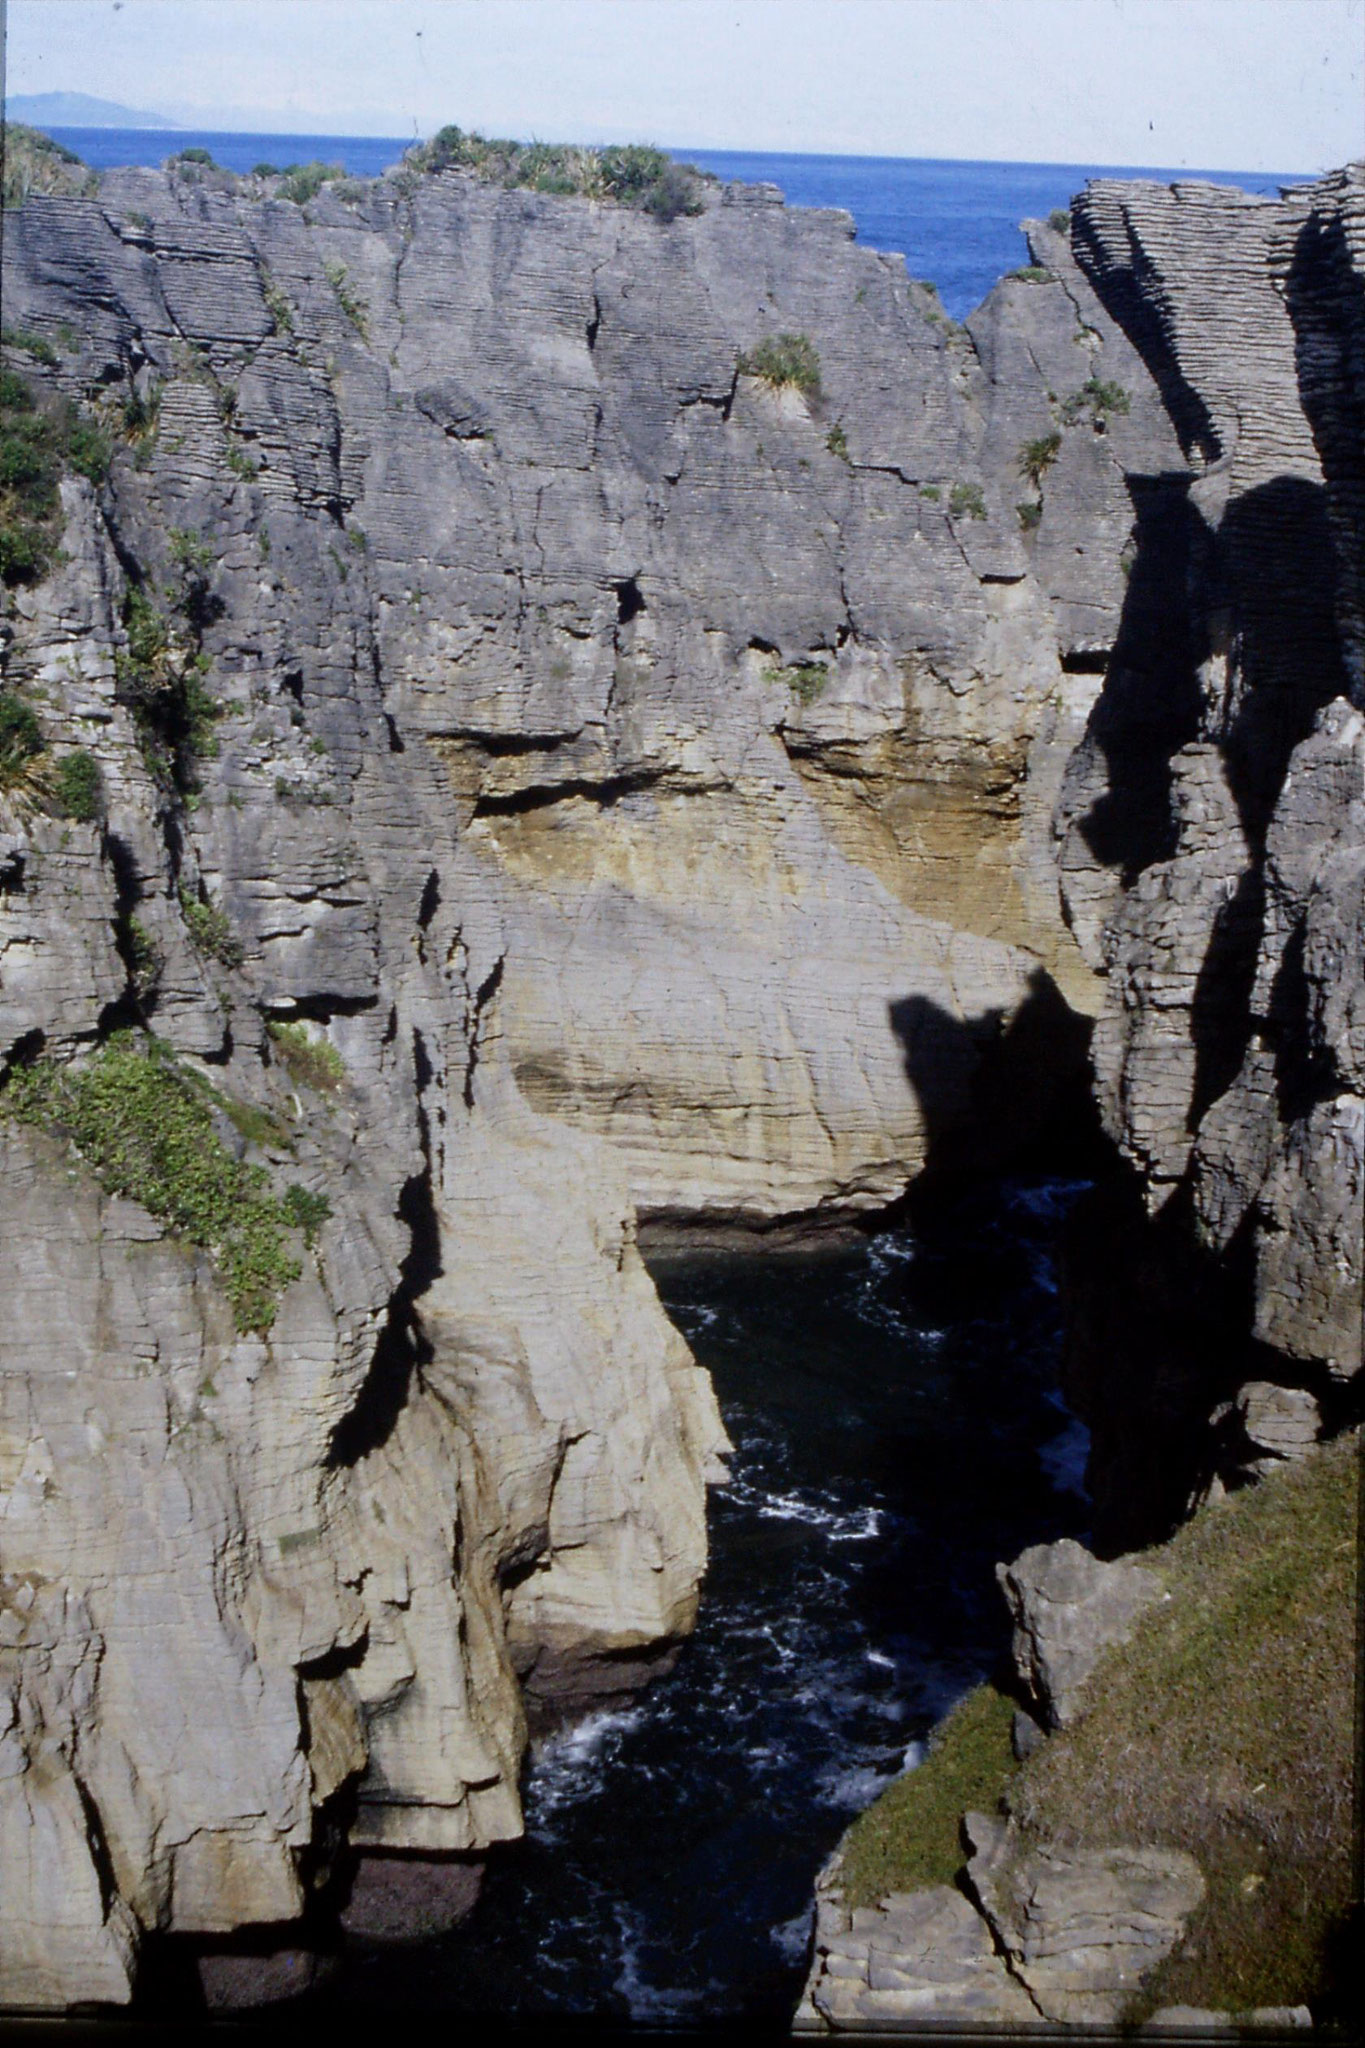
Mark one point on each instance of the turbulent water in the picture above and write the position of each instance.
(897, 1430)
(956, 223)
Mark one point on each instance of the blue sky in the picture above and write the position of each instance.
(1273, 85)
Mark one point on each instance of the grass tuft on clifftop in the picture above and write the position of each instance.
(35, 163)
(630, 174)
(145, 1126)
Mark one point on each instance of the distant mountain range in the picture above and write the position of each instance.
(78, 110)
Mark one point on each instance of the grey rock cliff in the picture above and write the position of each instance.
(651, 787)
(589, 556)
(1067, 1608)
(1211, 849)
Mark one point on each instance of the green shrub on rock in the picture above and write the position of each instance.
(145, 1126)
(630, 174)
(806, 680)
(30, 344)
(1037, 457)
(315, 1062)
(211, 930)
(30, 466)
(784, 359)
(306, 1210)
(39, 444)
(302, 182)
(160, 677)
(77, 786)
(33, 162)
(21, 737)
(1097, 397)
(352, 305)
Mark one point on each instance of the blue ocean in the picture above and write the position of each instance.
(955, 223)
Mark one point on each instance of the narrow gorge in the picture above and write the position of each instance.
(532, 733)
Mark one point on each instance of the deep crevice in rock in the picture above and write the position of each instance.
(403, 1347)
(605, 793)
(483, 996)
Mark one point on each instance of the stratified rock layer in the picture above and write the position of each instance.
(641, 781)
(596, 732)
(1213, 845)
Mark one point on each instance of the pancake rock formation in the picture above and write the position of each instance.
(1213, 849)
(553, 781)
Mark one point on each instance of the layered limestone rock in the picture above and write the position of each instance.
(253, 1577)
(1212, 843)
(1038, 1934)
(591, 729)
(1080, 1928)
(915, 1956)
(1067, 1609)
(549, 774)
(753, 703)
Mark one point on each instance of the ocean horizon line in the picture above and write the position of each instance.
(1166, 172)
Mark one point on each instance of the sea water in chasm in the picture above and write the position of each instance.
(897, 1429)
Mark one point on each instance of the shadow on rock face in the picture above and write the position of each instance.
(410, 1898)
(1000, 1097)
(1228, 649)
(1150, 704)
(1325, 294)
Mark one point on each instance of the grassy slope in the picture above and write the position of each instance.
(912, 1835)
(1225, 1727)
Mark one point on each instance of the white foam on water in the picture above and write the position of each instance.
(840, 1524)
(865, 1527)
(890, 1250)
(880, 1657)
(1064, 1458)
(850, 1787)
(572, 1764)
(645, 2002)
(791, 1937)
(790, 1507)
